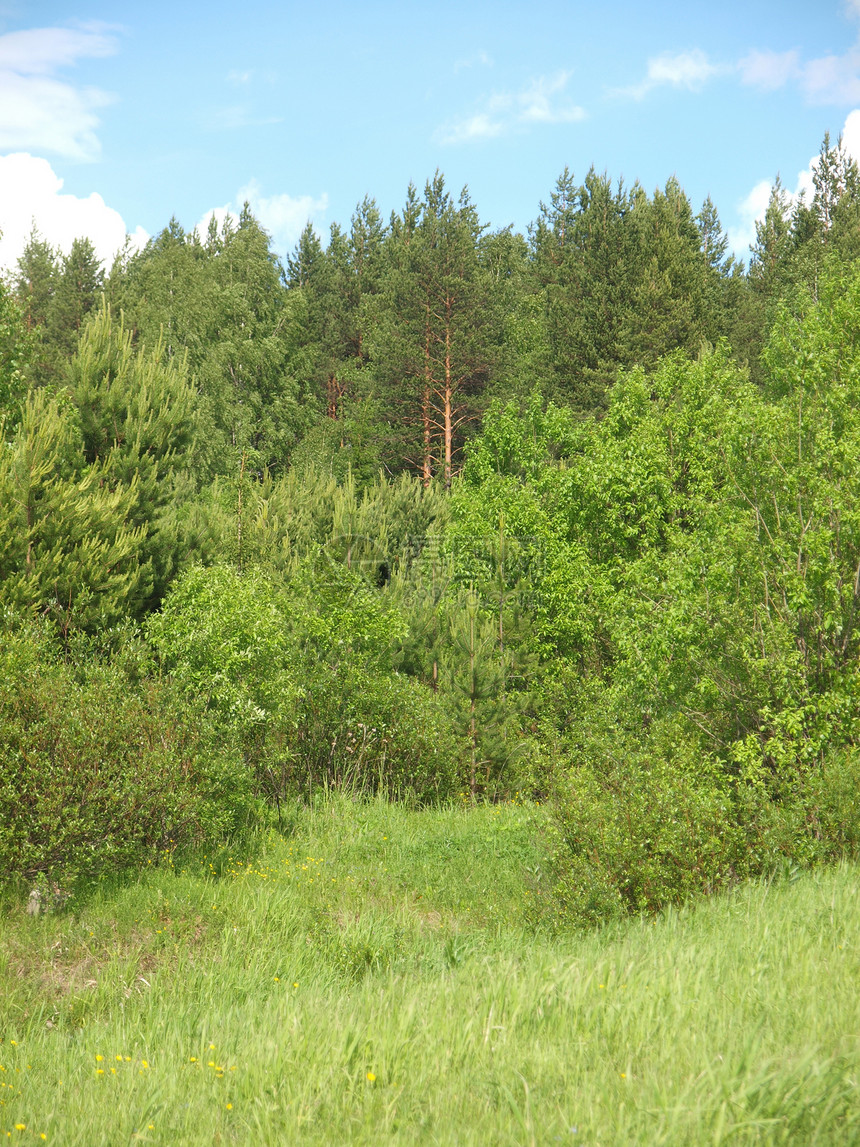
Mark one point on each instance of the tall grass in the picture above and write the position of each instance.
(371, 977)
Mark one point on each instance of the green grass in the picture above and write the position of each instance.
(372, 977)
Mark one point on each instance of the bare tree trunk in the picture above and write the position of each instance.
(427, 451)
(449, 431)
(239, 515)
(473, 726)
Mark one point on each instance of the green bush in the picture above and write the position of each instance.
(834, 802)
(636, 835)
(645, 828)
(300, 673)
(376, 732)
(98, 774)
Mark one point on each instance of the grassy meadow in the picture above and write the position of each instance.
(377, 974)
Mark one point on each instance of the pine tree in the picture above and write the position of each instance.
(434, 346)
(222, 306)
(248, 367)
(472, 677)
(668, 309)
(67, 550)
(338, 288)
(836, 183)
(137, 423)
(773, 241)
(517, 324)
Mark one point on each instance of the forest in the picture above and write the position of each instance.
(441, 513)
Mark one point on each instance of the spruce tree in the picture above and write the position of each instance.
(584, 258)
(78, 286)
(16, 350)
(35, 279)
(668, 309)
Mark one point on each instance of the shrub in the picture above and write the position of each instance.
(649, 827)
(376, 732)
(300, 674)
(637, 835)
(97, 775)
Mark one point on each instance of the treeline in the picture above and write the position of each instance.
(383, 348)
(434, 509)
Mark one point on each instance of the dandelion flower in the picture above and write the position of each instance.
(229, 1106)
(371, 1078)
(99, 1058)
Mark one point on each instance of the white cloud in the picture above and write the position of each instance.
(479, 59)
(851, 133)
(238, 116)
(752, 208)
(770, 70)
(38, 111)
(684, 70)
(536, 104)
(283, 216)
(688, 70)
(30, 191)
(480, 126)
(542, 101)
(833, 79)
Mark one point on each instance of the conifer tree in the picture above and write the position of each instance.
(78, 286)
(434, 348)
(16, 348)
(137, 423)
(67, 550)
(668, 309)
(583, 247)
(338, 288)
(35, 279)
(222, 304)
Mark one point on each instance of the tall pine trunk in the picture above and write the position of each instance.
(426, 399)
(448, 395)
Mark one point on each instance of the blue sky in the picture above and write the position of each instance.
(114, 117)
